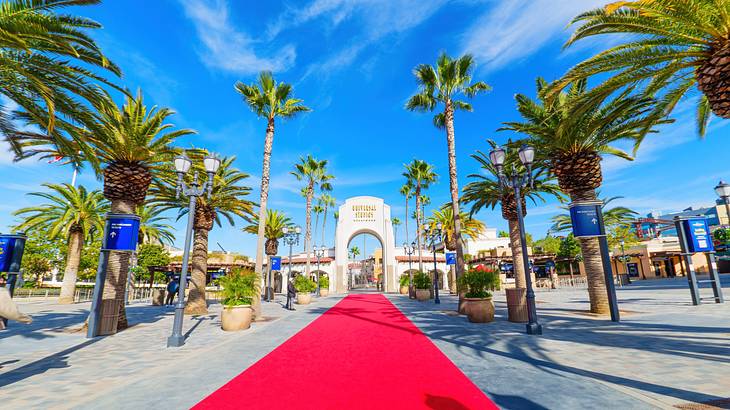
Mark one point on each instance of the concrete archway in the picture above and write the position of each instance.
(364, 214)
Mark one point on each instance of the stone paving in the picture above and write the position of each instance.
(664, 353)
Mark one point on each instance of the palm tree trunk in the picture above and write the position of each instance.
(324, 222)
(75, 246)
(196, 304)
(418, 226)
(518, 263)
(316, 225)
(593, 263)
(406, 218)
(261, 239)
(454, 186)
(117, 271)
(308, 222)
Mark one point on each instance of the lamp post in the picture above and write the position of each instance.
(433, 235)
(182, 166)
(291, 238)
(410, 250)
(723, 191)
(626, 264)
(318, 253)
(517, 182)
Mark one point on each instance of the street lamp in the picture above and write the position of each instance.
(626, 264)
(517, 182)
(410, 250)
(182, 166)
(291, 238)
(318, 253)
(434, 235)
(723, 191)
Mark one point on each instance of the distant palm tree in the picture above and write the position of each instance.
(612, 217)
(314, 173)
(276, 221)
(407, 191)
(43, 57)
(396, 223)
(227, 201)
(269, 100)
(318, 209)
(420, 175)
(328, 201)
(671, 45)
(71, 213)
(570, 133)
(153, 227)
(443, 84)
(485, 191)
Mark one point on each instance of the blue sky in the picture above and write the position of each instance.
(351, 62)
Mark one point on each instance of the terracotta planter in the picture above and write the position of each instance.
(480, 310)
(404, 290)
(423, 295)
(236, 317)
(324, 292)
(304, 298)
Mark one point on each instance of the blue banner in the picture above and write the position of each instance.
(122, 232)
(450, 258)
(276, 263)
(585, 219)
(698, 235)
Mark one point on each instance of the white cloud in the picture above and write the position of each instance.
(226, 47)
(513, 30)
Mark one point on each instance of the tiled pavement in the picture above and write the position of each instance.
(664, 352)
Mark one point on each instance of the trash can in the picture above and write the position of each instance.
(517, 305)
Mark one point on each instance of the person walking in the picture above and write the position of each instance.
(172, 288)
(291, 292)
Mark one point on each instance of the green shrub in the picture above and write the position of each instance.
(304, 284)
(324, 281)
(422, 281)
(480, 281)
(240, 286)
(404, 280)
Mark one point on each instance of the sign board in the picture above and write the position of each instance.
(11, 252)
(276, 263)
(450, 258)
(585, 218)
(698, 235)
(122, 232)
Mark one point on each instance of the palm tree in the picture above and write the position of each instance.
(485, 191)
(318, 209)
(396, 223)
(443, 84)
(471, 227)
(420, 175)
(571, 142)
(153, 227)
(71, 213)
(327, 201)
(612, 217)
(275, 222)
(42, 60)
(314, 173)
(269, 100)
(671, 46)
(407, 191)
(227, 201)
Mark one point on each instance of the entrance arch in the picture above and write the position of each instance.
(364, 214)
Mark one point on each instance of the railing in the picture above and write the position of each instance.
(576, 282)
(36, 293)
(85, 294)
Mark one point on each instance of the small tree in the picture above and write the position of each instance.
(150, 255)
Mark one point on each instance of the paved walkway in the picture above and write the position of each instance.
(664, 353)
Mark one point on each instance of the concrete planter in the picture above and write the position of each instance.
(423, 295)
(304, 298)
(324, 292)
(236, 317)
(404, 290)
(479, 310)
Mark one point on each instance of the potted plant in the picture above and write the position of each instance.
(324, 285)
(240, 286)
(479, 305)
(304, 287)
(403, 282)
(422, 283)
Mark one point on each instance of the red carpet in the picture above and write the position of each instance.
(363, 353)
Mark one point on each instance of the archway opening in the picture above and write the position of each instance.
(365, 263)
